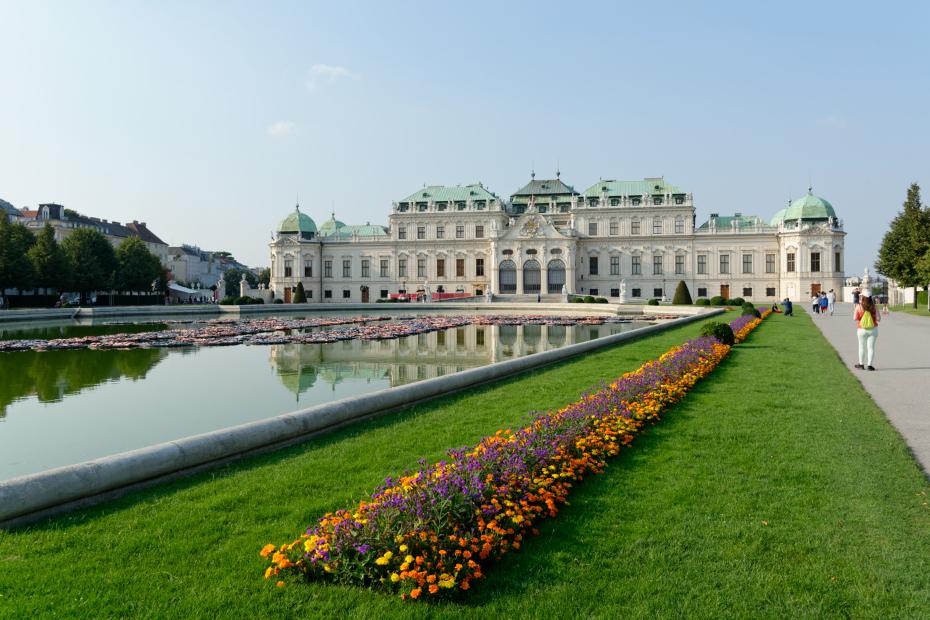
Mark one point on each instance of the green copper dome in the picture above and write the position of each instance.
(809, 207)
(297, 222)
(778, 217)
(331, 225)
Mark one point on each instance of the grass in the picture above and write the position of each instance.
(920, 310)
(770, 491)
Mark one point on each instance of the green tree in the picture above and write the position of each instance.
(233, 276)
(49, 262)
(906, 243)
(265, 276)
(300, 297)
(91, 260)
(137, 268)
(682, 295)
(15, 268)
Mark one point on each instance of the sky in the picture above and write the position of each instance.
(208, 120)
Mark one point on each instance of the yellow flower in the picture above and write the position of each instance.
(395, 578)
(403, 548)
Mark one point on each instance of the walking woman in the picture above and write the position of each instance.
(867, 331)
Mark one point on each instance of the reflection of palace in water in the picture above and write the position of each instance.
(424, 356)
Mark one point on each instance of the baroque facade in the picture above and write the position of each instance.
(629, 241)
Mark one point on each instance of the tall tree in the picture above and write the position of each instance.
(91, 260)
(233, 276)
(265, 277)
(49, 262)
(15, 269)
(137, 269)
(906, 242)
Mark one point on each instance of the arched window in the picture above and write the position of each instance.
(555, 273)
(507, 273)
(531, 277)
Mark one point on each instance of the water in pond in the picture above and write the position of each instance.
(64, 407)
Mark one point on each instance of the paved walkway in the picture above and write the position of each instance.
(901, 381)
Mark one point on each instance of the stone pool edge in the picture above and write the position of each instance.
(29, 498)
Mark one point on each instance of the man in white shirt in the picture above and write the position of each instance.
(831, 300)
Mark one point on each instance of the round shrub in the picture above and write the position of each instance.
(717, 300)
(720, 331)
(602, 300)
(749, 310)
(577, 300)
(701, 301)
(652, 302)
(589, 299)
(736, 301)
(756, 313)
(749, 303)
(278, 301)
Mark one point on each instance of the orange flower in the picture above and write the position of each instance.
(433, 589)
(415, 593)
(267, 550)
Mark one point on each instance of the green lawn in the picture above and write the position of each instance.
(920, 310)
(776, 489)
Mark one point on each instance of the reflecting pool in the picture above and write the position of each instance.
(66, 406)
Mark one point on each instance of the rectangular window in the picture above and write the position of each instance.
(637, 292)
(479, 266)
(636, 201)
(440, 232)
(769, 263)
(679, 265)
(347, 268)
(702, 263)
(747, 263)
(615, 265)
(479, 232)
(366, 268)
(656, 265)
(815, 261)
(327, 269)
(615, 292)
(383, 269)
(346, 293)
(401, 267)
(592, 229)
(637, 268)
(479, 336)
(421, 267)
(594, 291)
(836, 262)
(770, 291)
(288, 268)
(724, 263)
(747, 292)
(657, 293)
(328, 294)
(656, 226)
(440, 268)
(459, 267)
(308, 270)
(401, 232)
(702, 292)
(614, 202)
(310, 294)
(657, 200)
(679, 200)
(459, 231)
(679, 226)
(790, 266)
(421, 232)
(614, 228)
(384, 293)
(634, 227)
(592, 265)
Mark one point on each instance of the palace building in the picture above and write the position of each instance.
(628, 241)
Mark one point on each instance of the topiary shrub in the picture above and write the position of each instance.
(300, 296)
(720, 331)
(577, 300)
(749, 310)
(228, 301)
(682, 295)
(602, 300)
(749, 303)
(756, 313)
(736, 301)
(652, 302)
(278, 301)
(701, 301)
(589, 299)
(717, 300)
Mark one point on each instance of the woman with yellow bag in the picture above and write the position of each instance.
(867, 331)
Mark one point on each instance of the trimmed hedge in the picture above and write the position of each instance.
(701, 301)
(720, 331)
(682, 295)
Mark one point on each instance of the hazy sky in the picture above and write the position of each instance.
(207, 119)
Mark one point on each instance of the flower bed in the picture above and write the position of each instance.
(433, 531)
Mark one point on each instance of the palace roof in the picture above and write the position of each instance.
(545, 187)
(448, 193)
(649, 185)
(727, 222)
(809, 207)
(297, 222)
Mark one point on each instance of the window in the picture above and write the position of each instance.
(637, 268)
(384, 293)
(615, 265)
(309, 294)
(679, 264)
(402, 267)
(347, 268)
(679, 200)
(401, 232)
(769, 263)
(592, 229)
(815, 261)
(288, 268)
(421, 267)
(542, 208)
(790, 266)
(657, 292)
(656, 226)
(657, 200)
(614, 228)
(366, 268)
(702, 263)
(327, 269)
(440, 232)
(634, 227)
(308, 270)
(614, 202)
(592, 265)
(747, 291)
(479, 232)
(479, 267)
(594, 291)
(724, 263)
(747, 263)
(702, 292)
(770, 291)
(383, 270)
(421, 232)
(657, 265)
(459, 231)
(637, 292)
(328, 294)
(440, 268)
(441, 206)
(836, 261)
(679, 225)
(459, 267)
(615, 292)
(346, 293)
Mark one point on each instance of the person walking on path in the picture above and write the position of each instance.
(831, 300)
(789, 307)
(866, 331)
(815, 303)
(823, 304)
